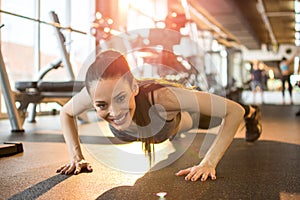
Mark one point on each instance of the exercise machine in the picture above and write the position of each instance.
(38, 91)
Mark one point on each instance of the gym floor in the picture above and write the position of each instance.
(266, 169)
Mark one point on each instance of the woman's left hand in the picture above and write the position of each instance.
(198, 172)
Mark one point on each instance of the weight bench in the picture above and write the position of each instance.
(42, 86)
(36, 92)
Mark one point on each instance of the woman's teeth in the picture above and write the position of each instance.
(120, 119)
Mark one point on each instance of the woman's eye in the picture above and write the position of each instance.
(121, 99)
(102, 106)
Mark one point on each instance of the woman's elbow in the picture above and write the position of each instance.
(64, 113)
(236, 110)
(239, 111)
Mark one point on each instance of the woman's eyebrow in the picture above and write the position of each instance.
(115, 97)
(100, 101)
(119, 94)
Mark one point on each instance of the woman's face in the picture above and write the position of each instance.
(114, 101)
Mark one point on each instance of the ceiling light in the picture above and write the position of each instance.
(174, 14)
(297, 42)
(160, 24)
(98, 15)
(110, 21)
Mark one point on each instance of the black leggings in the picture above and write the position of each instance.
(286, 78)
(206, 122)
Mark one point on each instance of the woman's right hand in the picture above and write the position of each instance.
(75, 167)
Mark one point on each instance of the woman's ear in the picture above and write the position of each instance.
(135, 87)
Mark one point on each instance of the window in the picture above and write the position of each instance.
(28, 46)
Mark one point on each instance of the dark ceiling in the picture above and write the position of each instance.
(243, 21)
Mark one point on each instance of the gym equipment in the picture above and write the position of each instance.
(35, 92)
(10, 148)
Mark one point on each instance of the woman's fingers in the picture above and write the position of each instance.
(70, 169)
(60, 168)
(63, 169)
(195, 173)
(213, 176)
(183, 172)
(77, 170)
(198, 172)
(83, 165)
(203, 177)
(189, 172)
(89, 168)
(66, 169)
(75, 167)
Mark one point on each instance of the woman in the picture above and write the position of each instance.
(286, 77)
(149, 111)
(286, 73)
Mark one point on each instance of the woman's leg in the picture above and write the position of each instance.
(252, 120)
(283, 80)
(196, 121)
(205, 122)
(246, 108)
(201, 121)
(283, 87)
(290, 89)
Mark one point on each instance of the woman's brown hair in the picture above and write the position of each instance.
(108, 64)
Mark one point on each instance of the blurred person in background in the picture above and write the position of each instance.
(258, 76)
(286, 72)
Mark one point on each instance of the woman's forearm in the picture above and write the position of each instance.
(225, 136)
(77, 105)
(70, 132)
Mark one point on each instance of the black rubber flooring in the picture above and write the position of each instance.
(262, 170)
(266, 169)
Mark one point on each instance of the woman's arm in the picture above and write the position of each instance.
(289, 61)
(232, 119)
(68, 116)
(211, 105)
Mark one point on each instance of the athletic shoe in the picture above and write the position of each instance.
(253, 125)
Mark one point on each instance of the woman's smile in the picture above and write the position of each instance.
(120, 119)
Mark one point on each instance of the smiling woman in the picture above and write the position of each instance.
(113, 100)
(151, 111)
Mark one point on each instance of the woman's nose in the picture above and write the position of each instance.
(113, 110)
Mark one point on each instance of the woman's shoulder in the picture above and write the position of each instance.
(153, 83)
(161, 90)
